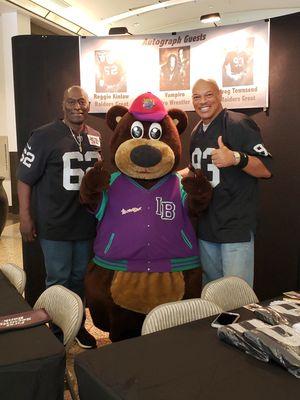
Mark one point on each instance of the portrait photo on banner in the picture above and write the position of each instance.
(110, 75)
(237, 68)
(174, 68)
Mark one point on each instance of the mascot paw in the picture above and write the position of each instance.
(97, 179)
(198, 189)
(196, 183)
(93, 183)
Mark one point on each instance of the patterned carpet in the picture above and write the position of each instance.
(102, 340)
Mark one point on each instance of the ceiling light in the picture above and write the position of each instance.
(210, 18)
(30, 6)
(57, 19)
(141, 10)
(84, 32)
(60, 3)
(33, 7)
(118, 30)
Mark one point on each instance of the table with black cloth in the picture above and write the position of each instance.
(187, 362)
(32, 360)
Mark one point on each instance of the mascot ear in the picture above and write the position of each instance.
(179, 118)
(114, 115)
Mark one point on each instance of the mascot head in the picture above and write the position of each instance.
(146, 142)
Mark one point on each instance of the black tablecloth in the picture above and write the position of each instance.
(32, 360)
(187, 362)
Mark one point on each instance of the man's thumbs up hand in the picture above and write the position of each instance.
(223, 156)
(220, 142)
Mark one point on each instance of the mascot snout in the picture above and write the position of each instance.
(145, 156)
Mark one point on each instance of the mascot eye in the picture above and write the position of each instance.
(137, 130)
(155, 131)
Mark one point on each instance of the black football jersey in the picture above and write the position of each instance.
(54, 164)
(231, 215)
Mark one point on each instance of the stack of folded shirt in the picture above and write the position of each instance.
(279, 312)
(234, 334)
(280, 342)
(277, 338)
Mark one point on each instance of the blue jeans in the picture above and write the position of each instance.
(66, 263)
(224, 259)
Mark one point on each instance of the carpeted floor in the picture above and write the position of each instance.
(102, 340)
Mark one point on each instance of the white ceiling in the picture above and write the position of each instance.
(98, 16)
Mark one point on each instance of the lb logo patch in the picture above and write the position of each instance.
(165, 209)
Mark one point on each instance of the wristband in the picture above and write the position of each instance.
(243, 160)
(237, 158)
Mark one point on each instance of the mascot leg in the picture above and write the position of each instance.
(97, 292)
(106, 315)
(125, 324)
(193, 283)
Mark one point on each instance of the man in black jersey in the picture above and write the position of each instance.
(51, 168)
(228, 147)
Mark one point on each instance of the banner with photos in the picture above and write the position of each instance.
(114, 70)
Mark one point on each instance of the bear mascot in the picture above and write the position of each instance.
(146, 251)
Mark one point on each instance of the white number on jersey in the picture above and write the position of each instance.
(260, 149)
(197, 157)
(27, 157)
(75, 172)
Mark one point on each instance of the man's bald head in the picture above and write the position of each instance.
(75, 106)
(75, 89)
(207, 97)
(210, 82)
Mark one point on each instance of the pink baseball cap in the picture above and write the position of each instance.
(148, 107)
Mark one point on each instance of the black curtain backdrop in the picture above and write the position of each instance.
(45, 65)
